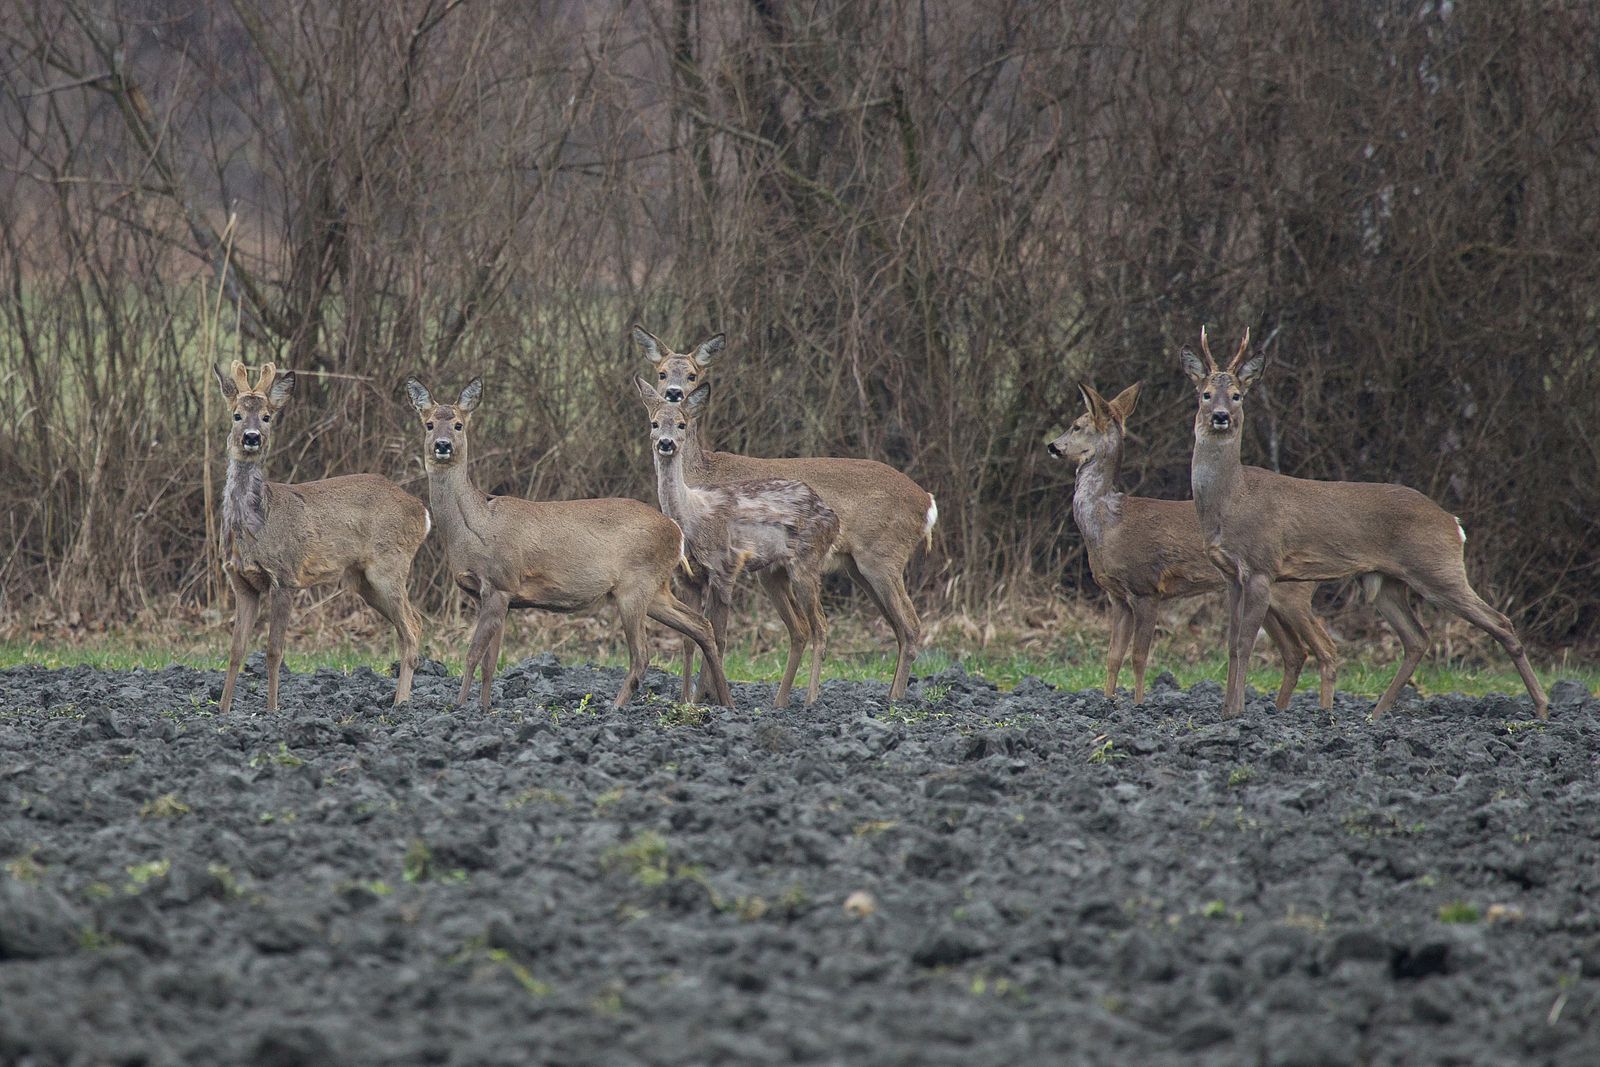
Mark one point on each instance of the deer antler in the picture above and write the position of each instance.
(1244, 350)
(1205, 346)
(264, 383)
(241, 377)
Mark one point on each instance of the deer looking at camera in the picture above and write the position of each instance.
(559, 555)
(1260, 527)
(277, 537)
(1143, 551)
(779, 530)
(883, 515)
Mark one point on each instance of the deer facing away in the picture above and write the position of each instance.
(277, 537)
(559, 555)
(883, 515)
(777, 529)
(1260, 527)
(1143, 551)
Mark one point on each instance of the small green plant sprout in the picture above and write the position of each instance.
(870, 827)
(1458, 911)
(26, 867)
(609, 798)
(1105, 751)
(1215, 909)
(679, 714)
(643, 857)
(282, 757)
(935, 694)
(1240, 776)
(418, 864)
(165, 806)
(142, 874)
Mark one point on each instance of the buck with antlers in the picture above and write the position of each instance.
(883, 515)
(1260, 527)
(559, 555)
(777, 529)
(278, 537)
(1143, 551)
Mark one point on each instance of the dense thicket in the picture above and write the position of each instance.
(920, 223)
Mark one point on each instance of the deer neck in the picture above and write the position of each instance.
(1096, 504)
(695, 448)
(459, 509)
(1214, 475)
(244, 500)
(672, 491)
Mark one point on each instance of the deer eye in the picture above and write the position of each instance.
(691, 377)
(266, 418)
(458, 426)
(1205, 396)
(430, 425)
(237, 417)
(683, 425)
(1235, 396)
(662, 376)
(655, 426)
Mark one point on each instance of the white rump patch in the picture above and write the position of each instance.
(933, 517)
(1460, 529)
(427, 523)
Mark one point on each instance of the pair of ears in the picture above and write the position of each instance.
(274, 387)
(1105, 412)
(466, 402)
(1244, 372)
(694, 403)
(654, 351)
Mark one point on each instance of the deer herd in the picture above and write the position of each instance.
(1262, 538)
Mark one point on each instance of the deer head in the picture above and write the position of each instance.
(1100, 429)
(670, 423)
(253, 406)
(677, 375)
(1221, 392)
(444, 426)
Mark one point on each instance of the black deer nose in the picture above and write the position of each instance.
(443, 448)
(673, 395)
(666, 447)
(1220, 420)
(251, 438)
(1052, 449)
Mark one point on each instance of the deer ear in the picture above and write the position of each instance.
(695, 402)
(418, 394)
(647, 392)
(1122, 405)
(281, 389)
(230, 388)
(1246, 375)
(654, 350)
(467, 402)
(707, 350)
(1192, 366)
(1097, 405)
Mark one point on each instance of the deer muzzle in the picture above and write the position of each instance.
(443, 449)
(673, 395)
(1221, 420)
(250, 440)
(666, 446)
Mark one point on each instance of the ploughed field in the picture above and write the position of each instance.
(970, 877)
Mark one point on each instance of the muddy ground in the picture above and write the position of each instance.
(972, 877)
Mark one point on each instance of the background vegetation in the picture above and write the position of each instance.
(921, 223)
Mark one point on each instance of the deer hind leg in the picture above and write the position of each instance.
(492, 607)
(718, 608)
(247, 606)
(1249, 609)
(386, 592)
(1117, 646)
(277, 622)
(810, 594)
(693, 598)
(1389, 596)
(776, 584)
(1458, 595)
(669, 611)
(885, 580)
(1290, 650)
(1144, 632)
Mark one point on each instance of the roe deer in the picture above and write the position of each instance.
(777, 529)
(278, 537)
(559, 555)
(1262, 527)
(883, 515)
(1143, 551)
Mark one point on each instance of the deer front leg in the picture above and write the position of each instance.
(1117, 648)
(1254, 597)
(277, 621)
(246, 606)
(1144, 631)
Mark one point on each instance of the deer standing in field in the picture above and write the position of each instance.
(777, 529)
(883, 515)
(1260, 527)
(559, 555)
(1143, 551)
(278, 537)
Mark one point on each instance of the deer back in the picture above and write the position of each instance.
(315, 532)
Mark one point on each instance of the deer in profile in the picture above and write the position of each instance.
(883, 515)
(559, 555)
(1143, 551)
(777, 529)
(1260, 527)
(278, 537)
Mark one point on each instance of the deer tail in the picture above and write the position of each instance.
(927, 525)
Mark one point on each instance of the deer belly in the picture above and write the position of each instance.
(554, 594)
